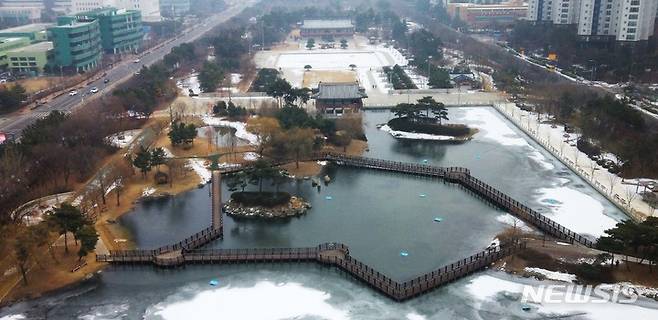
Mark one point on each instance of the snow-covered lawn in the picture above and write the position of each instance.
(123, 139)
(198, 165)
(333, 59)
(190, 83)
(553, 275)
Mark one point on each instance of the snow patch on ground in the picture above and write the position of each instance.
(113, 186)
(553, 275)
(148, 191)
(240, 128)
(576, 210)
(76, 202)
(128, 137)
(199, 167)
(235, 78)
(251, 156)
(190, 83)
(415, 136)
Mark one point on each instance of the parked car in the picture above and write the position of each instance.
(136, 61)
(106, 80)
(93, 90)
(73, 92)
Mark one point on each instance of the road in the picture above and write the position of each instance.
(15, 123)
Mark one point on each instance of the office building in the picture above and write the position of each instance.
(76, 42)
(35, 32)
(121, 30)
(30, 59)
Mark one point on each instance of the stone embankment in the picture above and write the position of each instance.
(295, 207)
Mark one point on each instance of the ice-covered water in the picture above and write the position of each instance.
(499, 154)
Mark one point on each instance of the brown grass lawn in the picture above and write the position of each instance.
(313, 77)
(32, 85)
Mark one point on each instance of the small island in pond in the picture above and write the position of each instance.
(262, 204)
(424, 121)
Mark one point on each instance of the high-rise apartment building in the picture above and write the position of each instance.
(623, 20)
(540, 10)
(566, 11)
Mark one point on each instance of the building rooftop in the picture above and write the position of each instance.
(11, 39)
(37, 47)
(73, 24)
(106, 11)
(35, 27)
(324, 24)
(339, 90)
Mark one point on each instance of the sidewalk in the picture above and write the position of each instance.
(553, 140)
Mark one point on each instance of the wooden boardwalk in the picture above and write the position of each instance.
(187, 250)
(333, 254)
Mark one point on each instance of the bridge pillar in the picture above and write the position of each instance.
(217, 223)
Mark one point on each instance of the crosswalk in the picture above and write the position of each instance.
(15, 127)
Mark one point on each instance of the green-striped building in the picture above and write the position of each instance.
(77, 43)
(121, 30)
(7, 44)
(30, 59)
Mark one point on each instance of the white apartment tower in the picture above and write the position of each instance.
(540, 10)
(625, 20)
(566, 11)
(555, 11)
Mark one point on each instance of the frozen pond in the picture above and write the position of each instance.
(220, 136)
(376, 214)
(499, 154)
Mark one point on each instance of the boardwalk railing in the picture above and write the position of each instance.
(335, 254)
(520, 210)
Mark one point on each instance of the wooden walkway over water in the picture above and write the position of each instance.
(187, 251)
(333, 254)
